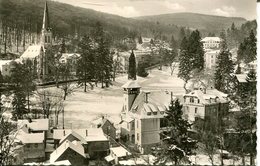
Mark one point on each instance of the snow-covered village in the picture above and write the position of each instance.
(128, 82)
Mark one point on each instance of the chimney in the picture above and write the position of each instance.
(146, 96)
(86, 132)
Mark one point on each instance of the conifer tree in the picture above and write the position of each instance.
(185, 66)
(140, 41)
(176, 144)
(195, 48)
(224, 78)
(132, 67)
(85, 64)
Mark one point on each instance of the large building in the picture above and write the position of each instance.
(211, 42)
(207, 105)
(37, 53)
(210, 58)
(142, 115)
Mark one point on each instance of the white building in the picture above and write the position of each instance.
(210, 58)
(211, 42)
(142, 115)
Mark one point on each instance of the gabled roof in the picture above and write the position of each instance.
(30, 138)
(101, 121)
(158, 101)
(241, 78)
(131, 84)
(75, 135)
(36, 124)
(32, 52)
(77, 147)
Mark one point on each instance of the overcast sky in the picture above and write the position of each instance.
(133, 8)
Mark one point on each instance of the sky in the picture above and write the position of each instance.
(134, 8)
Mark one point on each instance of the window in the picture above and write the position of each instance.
(133, 125)
(127, 125)
(137, 137)
(196, 110)
(192, 100)
(36, 145)
(198, 100)
(155, 113)
(149, 113)
(46, 39)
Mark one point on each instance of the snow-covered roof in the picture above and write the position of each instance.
(75, 135)
(77, 147)
(91, 134)
(120, 151)
(241, 78)
(32, 52)
(206, 39)
(131, 84)
(205, 98)
(157, 102)
(36, 124)
(29, 138)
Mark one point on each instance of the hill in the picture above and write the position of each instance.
(203, 22)
(68, 19)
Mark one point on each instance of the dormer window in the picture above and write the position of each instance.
(192, 100)
(155, 113)
(149, 113)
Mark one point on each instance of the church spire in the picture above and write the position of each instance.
(45, 22)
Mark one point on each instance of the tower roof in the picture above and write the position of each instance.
(45, 22)
(131, 84)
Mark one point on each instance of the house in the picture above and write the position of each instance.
(72, 151)
(95, 143)
(33, 145)
(35, 126)
(210, 58)
(106, 125)
(143, 115)
(117, 154)
(211, 42)
(207, 105)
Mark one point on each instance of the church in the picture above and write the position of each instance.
(37, 53)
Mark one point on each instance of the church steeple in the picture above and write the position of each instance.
(46, 37)
(45, 22)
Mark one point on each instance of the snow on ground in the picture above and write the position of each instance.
(81, 108)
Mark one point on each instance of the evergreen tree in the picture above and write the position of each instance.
(195, 49)
(247, 49)
(140, 40)
(185, 66)
(224, 78)
(176, 144)
(132, 67)
(173, 43)
(85, 64)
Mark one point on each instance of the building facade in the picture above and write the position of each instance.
(211, 42)
(142, 115)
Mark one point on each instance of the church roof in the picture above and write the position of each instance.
(32, 52)
(131, 84)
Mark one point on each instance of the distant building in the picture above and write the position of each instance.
(117, 154)
(143, 115)
(207, 105)
(210, 58)
(211, 42)
(106, 125)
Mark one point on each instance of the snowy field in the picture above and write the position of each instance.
(81, 108)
